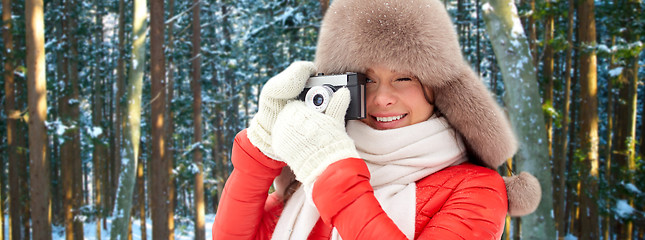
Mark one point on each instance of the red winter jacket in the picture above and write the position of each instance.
(459, 202)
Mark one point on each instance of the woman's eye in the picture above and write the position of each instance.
(367, 80)
(404, 79)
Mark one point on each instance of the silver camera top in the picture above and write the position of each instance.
(333, 80)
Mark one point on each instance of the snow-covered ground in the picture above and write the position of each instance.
(181, 231)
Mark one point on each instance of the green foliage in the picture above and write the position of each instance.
(548, 8)
(552, 112)
(559, 43)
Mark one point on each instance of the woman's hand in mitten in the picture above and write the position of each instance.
(274, 96)
(309, 141)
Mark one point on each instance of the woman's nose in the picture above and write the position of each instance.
(384, 97)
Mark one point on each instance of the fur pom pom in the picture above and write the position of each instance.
(524, 194)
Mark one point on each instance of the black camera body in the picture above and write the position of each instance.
(319, 89)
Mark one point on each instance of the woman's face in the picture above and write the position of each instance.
(395, 99)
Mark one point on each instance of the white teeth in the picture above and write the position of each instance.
(389, 119)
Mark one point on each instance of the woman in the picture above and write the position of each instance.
(420, 166)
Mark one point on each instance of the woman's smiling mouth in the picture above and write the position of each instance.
(389, 119)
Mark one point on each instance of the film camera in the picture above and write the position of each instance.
(319, 89)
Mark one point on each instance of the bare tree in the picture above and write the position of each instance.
(523, 100)
(560, 151)
(162, 226)
(626, 113)
(132, 132)
(589, 122)
(9, 109)
(100, 151)
(12, 118)
(547, 73)
(119, 122)
(70, 153)
(169, 127)
(197, 123)
(37, 101)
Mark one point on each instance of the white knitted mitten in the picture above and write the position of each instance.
(274, 96)
(309, 141)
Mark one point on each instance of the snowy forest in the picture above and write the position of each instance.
(118, 117)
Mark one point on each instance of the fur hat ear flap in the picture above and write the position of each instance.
(524, 194)
(473, 112)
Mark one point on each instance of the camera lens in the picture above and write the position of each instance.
(318, 99)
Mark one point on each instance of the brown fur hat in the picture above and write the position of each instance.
(417, 36)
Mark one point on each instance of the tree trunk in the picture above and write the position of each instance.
(170, 126)
(56, 178)
(100, 152)
(108, 123)
(459, 20)
(522, 97)
(589, 122)
(66, 153)
(532, 29)
(624, 153)
(217, 146)
(560, 158)
(232, 121)
(119, 123)
(162, 226)
(572, 182)
(23, 164)
(547, 73)
(509, 224)
(37, 100)
(109, 141)
(75, 114)
(70, 149)
(141, 197)
(197, 123)
(478, 50)
(574, 198)
(226, 127)
(626, 158)
(548, 102)
(640, 227)
(324, 5)
(2, 219)
(99, 156)
(629, 77)
(217, 154)
(132, 138)
(642, 156)
(607, 222)
(13, 114)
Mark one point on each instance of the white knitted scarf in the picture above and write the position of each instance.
(396, 158)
